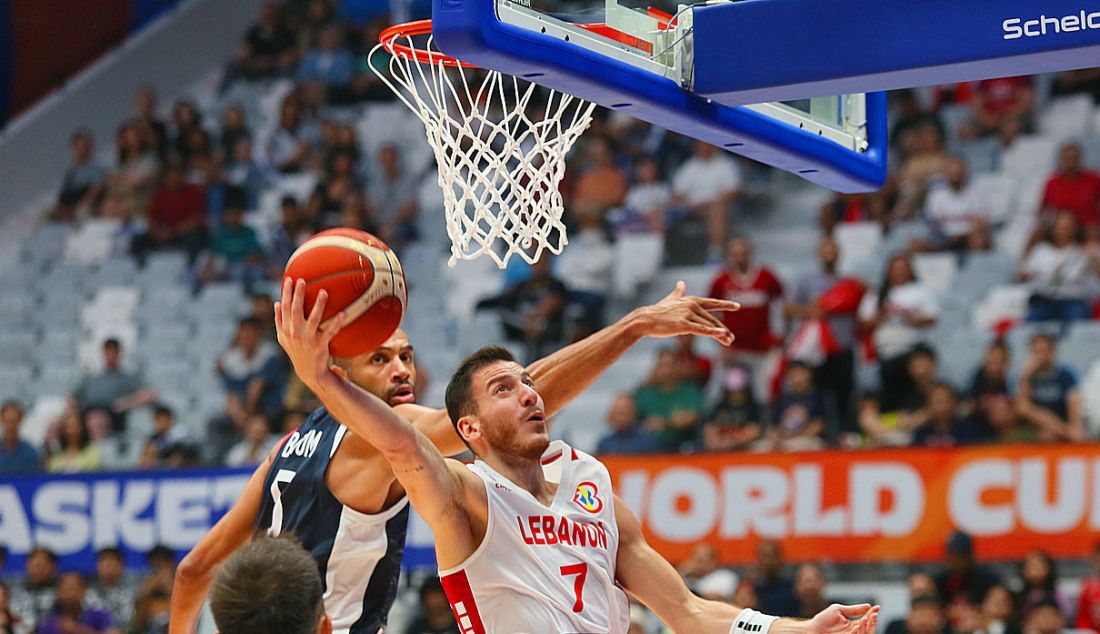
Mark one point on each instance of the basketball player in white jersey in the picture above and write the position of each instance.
(530, 538)
(339, 496)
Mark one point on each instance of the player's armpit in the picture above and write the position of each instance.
(436, 425)
(196, 572)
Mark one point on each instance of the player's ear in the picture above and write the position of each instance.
(325, 626)
(469, 427)
(338, 369)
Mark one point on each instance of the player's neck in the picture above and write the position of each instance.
(525, 472)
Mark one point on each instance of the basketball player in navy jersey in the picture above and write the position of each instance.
(338, 495)
(530, 538)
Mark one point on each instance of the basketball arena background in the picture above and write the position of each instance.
(952, 436)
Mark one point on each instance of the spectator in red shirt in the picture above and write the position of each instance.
(999, 103)
(1074, 189)
(176, 217)
(755, 288)
(1088, 605)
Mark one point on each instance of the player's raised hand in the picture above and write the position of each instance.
(682, 314)
(301, 336)
(845, 619)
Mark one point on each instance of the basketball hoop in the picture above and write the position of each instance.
(500, 147)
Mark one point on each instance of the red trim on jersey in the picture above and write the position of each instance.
(575, 457)
(457, 587)
(555, 457)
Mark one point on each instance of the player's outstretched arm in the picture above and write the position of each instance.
(653, 581)
(433, 487)
(562, 376)
(196, 572)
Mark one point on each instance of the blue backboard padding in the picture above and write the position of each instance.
(469, 30)
(771, 50)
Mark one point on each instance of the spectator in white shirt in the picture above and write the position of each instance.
(953, 210)
(255, 445)
(587, 268)
(1062, 272)
(707, 185)
(900, 313)
(647, 201)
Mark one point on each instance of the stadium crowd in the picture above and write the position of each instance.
(794, 380)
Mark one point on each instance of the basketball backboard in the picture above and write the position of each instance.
(640, 60)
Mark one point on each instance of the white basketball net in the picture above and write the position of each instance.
(500, 164)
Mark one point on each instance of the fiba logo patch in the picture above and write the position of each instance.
(587, 497)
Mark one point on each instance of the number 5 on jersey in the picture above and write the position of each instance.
(284, 476)
(581, 570)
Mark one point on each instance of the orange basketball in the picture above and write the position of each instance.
(362, 277)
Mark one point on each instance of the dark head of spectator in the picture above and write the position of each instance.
(435, 616)
(942, 428)
(809, 587)
(270, 585)
(1048, 395)
(626, 435)
(262, 308)
(72, 613)
(153, 605)
(799, 422)
(774, 589)
(991, 377)
(1045, 618)
(909, 115)
(77, 453)
(1003, 422)
(234, 128)
(82, 185)
(16, 454)
(963, 581)
(112, 589)
(734, 423)
(926, 616)
(1039, 582)
(41, 569)
(998, 611)
(1072, 188)
(355, 213)
(670, 405)
(255, 445)
(920, 584)
(168, 446)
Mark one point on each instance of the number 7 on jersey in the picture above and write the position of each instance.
(581, 570)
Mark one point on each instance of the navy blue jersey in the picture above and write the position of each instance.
(359, 555)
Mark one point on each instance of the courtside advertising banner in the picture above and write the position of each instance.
(887, 505)
(76, 515)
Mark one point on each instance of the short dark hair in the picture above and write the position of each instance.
(431, 584)
(288, 201)
(161, 553)
(162, 409)
(112, 343)
(10, 403)
(110, 551)
(922, 350)
(51, 555)
(458, 398)
(270, 585)
(1044, 336)
(250, 322)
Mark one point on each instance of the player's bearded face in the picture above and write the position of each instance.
(511, 412)
(388, 371)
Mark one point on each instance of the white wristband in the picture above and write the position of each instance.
(752, 622)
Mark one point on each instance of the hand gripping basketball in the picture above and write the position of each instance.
(302, 337)
(682, 314)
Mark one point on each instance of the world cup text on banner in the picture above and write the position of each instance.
(896, 505)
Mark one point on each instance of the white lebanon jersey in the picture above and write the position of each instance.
(540, 569)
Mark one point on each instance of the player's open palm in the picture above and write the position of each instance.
(845, 619)
(682, 314)
(301, 335)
